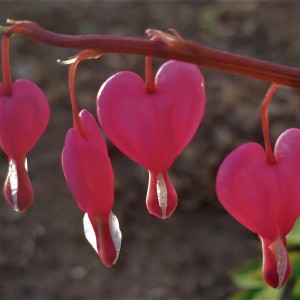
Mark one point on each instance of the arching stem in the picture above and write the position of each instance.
(169, 46)
(75, 113)
(74, 61)
(7, 81)
(265, 122)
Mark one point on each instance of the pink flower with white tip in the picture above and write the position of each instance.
(89, 175)
(261, 189)
(153, 125)
(90, 178)
(24, 116)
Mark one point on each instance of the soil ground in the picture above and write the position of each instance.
(43, 252)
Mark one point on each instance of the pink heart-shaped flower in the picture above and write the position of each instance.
(153, 129)
(24, 116)
(265, 197)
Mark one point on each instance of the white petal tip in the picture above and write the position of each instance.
(89, 232)
(114, 229)
(115, 233)
(162, 195)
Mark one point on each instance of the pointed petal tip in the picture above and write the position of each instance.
(161, 200)
(104, 235)
(17, 188)
(276, 263)
(116, 234)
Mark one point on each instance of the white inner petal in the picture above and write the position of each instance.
(26, 164)
(282, 262)
(162, 194)
(89, 232)
(13, 182)
(114, 229)
(280, 252)
(115, 233)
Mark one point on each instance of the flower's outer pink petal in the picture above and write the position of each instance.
(23, 117)
(181, 102)
(161, 197)
(250, 190)
(265, 198)
(92, 129)
(107, 236)
(17, 187)
(127, 115)
(287, 153)
(152, 129)
(87, 168)
(276, 263)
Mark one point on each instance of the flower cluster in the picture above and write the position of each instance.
(152, 122)
(152, 126)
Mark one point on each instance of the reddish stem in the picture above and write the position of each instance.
(75, 113)
(170, 47)
(265, 122)
(86, 54)
(7, 81)
(150, 86)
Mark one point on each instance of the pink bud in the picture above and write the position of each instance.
(265, 197)
(154, 128)
(24, 116)
(89, 175)
(87, 168)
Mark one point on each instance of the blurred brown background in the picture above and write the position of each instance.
(43, 252)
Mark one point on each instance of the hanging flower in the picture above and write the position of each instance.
(152, 123)
(89, 175)
(261, 189)
(90, 178)
(24, 115)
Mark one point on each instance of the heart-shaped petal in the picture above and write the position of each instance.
(24, 116)
(264, 198)
(152, 129)
(287, 149)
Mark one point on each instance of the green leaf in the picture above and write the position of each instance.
(264, 293)
(269, 293)
(295, 261)
(293, 238)
(296, 289)
(249, 276)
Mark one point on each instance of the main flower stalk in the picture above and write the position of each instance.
(168, 46)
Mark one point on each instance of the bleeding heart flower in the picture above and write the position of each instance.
(154, 128)
(90, 178)
(24, 116)
(265, 197)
